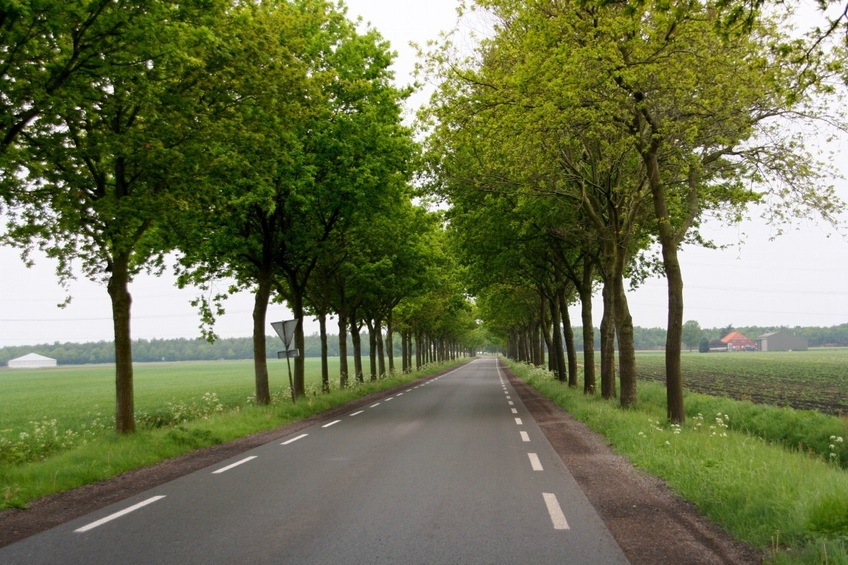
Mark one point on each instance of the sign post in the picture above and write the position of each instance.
(285, 329)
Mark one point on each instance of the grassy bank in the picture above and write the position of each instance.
(792, 503)
(195, 409)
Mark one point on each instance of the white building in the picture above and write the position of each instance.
(32, 361)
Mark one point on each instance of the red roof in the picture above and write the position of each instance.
(736, 338)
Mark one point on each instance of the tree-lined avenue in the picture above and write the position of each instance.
(449, 470)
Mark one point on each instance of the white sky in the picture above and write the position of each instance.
(798, 279)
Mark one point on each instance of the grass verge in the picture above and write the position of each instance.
(103, 455)
(793, 504)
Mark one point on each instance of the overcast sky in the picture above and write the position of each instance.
(799, 279)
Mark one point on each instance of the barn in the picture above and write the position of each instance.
(736, 341)
(781, 341)
(32, 361)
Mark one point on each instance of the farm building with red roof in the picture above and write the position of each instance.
(737, 342)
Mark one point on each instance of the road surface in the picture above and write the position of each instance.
(448, 470)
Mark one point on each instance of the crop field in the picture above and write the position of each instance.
(816, 379)
(81, 396)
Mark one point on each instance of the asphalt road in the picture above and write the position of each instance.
(449, 470)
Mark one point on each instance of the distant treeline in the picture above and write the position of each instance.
(242, 348)
(181, 349)
(654, 338)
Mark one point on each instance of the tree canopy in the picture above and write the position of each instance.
(643, 118)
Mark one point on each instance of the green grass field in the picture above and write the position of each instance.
(75, 396)
(816, 379)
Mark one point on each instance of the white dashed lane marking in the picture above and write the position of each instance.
(236, 464)
(535, 463)
(554, 509)
(116, 515)
(294, 439)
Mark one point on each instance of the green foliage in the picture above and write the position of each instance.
(192, 438)
(45, 439)
(177, 412)
(829, 516)
(692, 334)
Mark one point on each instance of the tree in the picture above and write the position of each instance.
(698, 149)
(528, 138)
(51, 50)
(692, 334)
(658, 82)
(91, 180)
(313, 136)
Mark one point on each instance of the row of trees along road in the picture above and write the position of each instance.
(260, 141)
(579, 137)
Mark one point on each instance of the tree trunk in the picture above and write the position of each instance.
(608, 342)
(390, 346)
(381, 354)
(418, 352)
(537, 352)
(624, 331)
(343, 368)
(356, 340)
(589, 380)
(546, 335)
(568, 333)
(673, 372)
(325, 370)
(556, 349)
(674, 278)
(118, 288)
(372, 349)
(404, 351)
(296, 304)
(260, 361)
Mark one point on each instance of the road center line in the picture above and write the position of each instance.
(374, 405)
(519, 422)
(534, 462)
(334, 422)
(294, 439)
(554, 509)
(525, 436)
(116, 515)
(514, 410)
(358, 412)
(236, 464)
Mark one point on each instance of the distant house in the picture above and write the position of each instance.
(32, 361)
(781, 341)
(735, 341)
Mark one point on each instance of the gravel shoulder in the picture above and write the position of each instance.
(652, 525)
